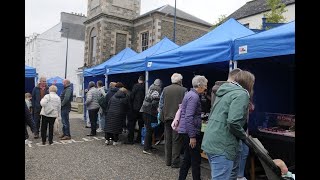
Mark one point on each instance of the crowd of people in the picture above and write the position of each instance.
(231, 103)
(44, 107)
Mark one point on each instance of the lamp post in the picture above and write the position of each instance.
(174, 22)
(65, 71)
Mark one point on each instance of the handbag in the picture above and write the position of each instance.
(48, 109)
(56, 126)
(175, 122)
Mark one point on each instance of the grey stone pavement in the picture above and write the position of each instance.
(89, 158)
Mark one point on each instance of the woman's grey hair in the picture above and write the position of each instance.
(53, 88)
(199, 81)
(176, 78)
(91, 84)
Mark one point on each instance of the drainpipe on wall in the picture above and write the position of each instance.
(264, 23)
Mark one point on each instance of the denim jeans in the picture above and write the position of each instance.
(243, 159)
(148, 119)
(235, 168)
(37, 120)
(65, 122)
(101, 120)
(220, 167)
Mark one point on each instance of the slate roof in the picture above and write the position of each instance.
(167, 9)
(254, 7)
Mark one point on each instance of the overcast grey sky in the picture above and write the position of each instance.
(41, 15)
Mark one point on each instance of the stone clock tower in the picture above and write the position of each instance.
(108, 28)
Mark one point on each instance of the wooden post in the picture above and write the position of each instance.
(252, 171)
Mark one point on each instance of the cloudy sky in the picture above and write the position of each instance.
(41, 15)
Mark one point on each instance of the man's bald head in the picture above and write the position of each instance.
(66, 82)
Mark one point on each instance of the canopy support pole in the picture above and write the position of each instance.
(147, 81)
(106, 81)
(84, 99)
(230, 65)
(235, 64)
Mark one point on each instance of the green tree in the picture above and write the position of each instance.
(276, 13)
(221, 20)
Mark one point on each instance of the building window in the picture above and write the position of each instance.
(144, 40)
(93, 46)
(246, 25)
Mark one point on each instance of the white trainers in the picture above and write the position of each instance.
(99, 130)
(242, 178)
(109, 142)
(147, 152)
(116, 143)
(27, 141)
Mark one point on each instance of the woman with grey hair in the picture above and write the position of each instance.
(189, 128)
(149, 109)
(51, 109)
(93, 106)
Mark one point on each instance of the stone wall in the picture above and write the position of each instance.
(184, 34)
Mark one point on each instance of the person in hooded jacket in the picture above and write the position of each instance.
(225, 125)
(232, 74)
(149, 109)
(116, 111)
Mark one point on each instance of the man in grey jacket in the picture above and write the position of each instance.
(66, 98)
(171, 97)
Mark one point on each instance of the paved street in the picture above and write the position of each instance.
(89, 158)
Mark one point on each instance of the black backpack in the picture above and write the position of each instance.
(102, 102)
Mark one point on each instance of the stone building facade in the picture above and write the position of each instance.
(113, 25)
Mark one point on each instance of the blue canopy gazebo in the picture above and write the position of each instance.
(57, 81)
(30, 79)
(270, 56)
(137, 63)
(208, 55)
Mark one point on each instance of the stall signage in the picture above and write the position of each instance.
(243, 49)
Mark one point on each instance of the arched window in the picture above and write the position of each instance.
(93, 46)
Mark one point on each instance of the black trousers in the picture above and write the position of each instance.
(148, 119)
(173, 145)
(135, 116)
(37, 117)
(26, 135)
(114, 137)
(93, 116)
(191, 157)
(44, 126)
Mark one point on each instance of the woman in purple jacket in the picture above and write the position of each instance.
(189, 128)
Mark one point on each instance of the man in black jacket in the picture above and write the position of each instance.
(66, 98)
(136, 100)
